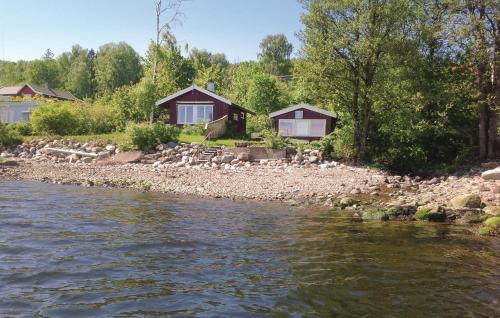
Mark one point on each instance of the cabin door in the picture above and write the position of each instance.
(301, 127)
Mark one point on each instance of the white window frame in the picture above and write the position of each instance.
(7, 116)
(296, 122)
(299, 114)
(207, 108)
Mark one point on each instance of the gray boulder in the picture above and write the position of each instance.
(227, 158)
(493, 174)
(243, 156)
(313, 159)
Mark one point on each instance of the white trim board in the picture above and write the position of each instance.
(305, 106)
(192, 88)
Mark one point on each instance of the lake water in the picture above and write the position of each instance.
(88, 252)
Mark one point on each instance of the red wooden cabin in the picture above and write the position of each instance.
(31, 90)
(195, 105)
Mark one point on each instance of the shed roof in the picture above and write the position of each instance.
(42, 90)
(51, 92)
(305, 106)
(10, 90)
(64, 94)
(204, 91)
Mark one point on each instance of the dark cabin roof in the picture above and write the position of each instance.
(204, 91)
(52, 92)
(304, 106)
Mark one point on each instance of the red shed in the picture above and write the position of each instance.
(304, 121)
(31, 90)
(195, 105)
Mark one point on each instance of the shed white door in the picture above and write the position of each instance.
(302, 127)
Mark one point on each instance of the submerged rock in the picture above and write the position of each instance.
(375, 214)
(430, 212)
(347, 201)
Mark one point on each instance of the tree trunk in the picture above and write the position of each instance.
(484, 82)
(492, 134)
(495, 81)
(158, 7)
(483, 130)
(355, 117)
(367, 109)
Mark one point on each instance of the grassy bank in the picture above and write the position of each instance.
(121, 137)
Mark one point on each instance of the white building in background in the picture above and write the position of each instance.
(16, 112)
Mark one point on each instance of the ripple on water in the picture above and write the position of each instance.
(69, 251)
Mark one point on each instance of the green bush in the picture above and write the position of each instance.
(198, 129)
(327, 145)
(58, 118)
(146, 137)
(8, 137)
(103, 118)
(23, 129)
(343, 140)
(258, 123)
(274, 140)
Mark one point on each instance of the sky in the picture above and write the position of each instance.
(233, 27)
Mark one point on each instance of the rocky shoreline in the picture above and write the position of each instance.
(367, 193)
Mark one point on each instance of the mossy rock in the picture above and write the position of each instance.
(430, 213)
(347, 201)
(493, 221)
(467, 201)
(473, 218)
(394, 211)
(491, 226)
(375, 215)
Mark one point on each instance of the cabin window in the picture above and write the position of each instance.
(302, 127)
(299, 114)
(7, 116)
(28, 95)
(194, 114)
(25, 116)
(235, 117)
(286, 127)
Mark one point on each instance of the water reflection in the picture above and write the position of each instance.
(68, 251)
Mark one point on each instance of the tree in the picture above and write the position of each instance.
(76, 69)
(209, 67)
(346, 43)
(48, 55)
(275, 54)
(116, 65)
(162, 28)
(477, 31)
(204, 59)
(250, 86)
(43, 72)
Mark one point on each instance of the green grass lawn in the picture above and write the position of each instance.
(120, 137)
